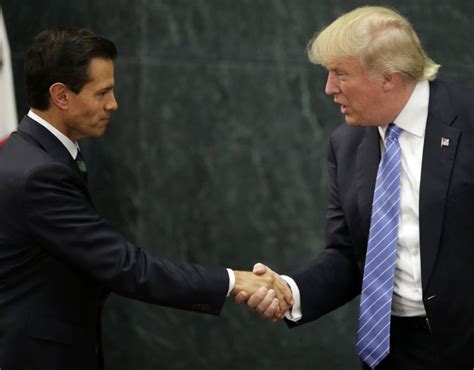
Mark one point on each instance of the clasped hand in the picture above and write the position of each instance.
(264, 291)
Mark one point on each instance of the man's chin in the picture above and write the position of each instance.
(97, 133)
(351, 121)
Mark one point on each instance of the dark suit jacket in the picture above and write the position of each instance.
(59, 258)
(445, 209)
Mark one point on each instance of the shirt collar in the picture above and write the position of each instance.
(414, 115)
(71, 146)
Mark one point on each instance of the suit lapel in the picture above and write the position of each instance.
(368, 158)
(438, 161)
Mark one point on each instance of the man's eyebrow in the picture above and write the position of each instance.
(106, 88)
(337, 69)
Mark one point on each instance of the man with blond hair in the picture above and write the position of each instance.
(401, 188)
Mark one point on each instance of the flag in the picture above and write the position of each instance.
(8, 118)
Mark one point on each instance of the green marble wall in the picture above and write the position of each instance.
(217, 156)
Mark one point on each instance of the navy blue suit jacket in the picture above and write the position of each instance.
(59, 258)
(445, 211)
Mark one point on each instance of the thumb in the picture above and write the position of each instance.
(259, 268)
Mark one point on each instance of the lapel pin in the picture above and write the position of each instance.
(444, 142)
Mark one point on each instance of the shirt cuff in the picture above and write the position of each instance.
(231, 281)
(295, 313)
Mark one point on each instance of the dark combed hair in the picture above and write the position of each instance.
(62, 55)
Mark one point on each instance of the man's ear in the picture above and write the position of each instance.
(59, 94)
(390, 80)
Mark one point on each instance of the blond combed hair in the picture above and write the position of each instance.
(382, 39)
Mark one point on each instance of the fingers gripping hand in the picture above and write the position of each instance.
(264, 291)
(273, 306)
(264, 302)
(241, 297)
(282, 288)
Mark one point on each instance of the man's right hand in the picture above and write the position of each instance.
(271, 299)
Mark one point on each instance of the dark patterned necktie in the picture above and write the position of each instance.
(81, 164)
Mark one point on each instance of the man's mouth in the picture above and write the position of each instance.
(344, 108)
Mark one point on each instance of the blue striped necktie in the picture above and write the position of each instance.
(373, 337)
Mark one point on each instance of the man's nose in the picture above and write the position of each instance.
(112, 104)
(332, 84)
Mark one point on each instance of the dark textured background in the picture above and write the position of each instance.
(217, 156)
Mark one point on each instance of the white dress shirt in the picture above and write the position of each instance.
(407, 292)
(73, 147)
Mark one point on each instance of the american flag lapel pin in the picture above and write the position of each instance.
(444, 142)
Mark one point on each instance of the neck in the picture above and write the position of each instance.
(406, 92)
(400, 98)
(54, 119)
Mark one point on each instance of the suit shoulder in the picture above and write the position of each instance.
(460, 97)
(20, 150)
(19, 158)
(452, 87)
(346, 135)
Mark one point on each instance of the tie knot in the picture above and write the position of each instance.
(79, 156)
(393, 131)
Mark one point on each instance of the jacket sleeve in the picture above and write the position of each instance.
(332, 278)
(62, 219)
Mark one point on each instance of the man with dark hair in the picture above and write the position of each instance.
(62, 55)
(58, 257)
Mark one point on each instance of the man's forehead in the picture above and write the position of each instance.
(100, 69)
(98, 64)
(347, 64)
(97, 83)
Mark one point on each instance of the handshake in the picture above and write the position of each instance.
(264, 291)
